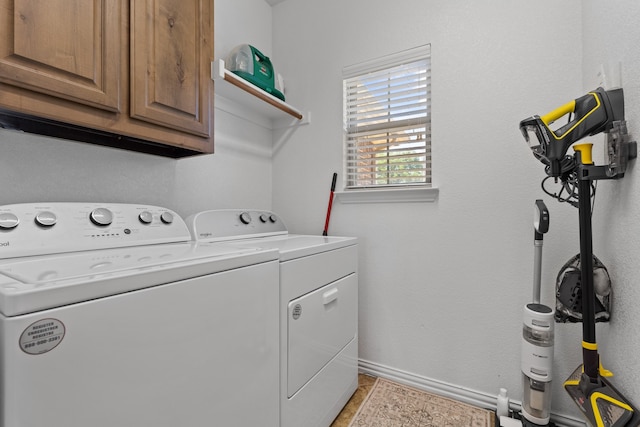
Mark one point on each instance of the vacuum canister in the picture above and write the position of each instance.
(537, 361)
(255, 67)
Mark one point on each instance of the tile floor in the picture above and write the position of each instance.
(365, 382)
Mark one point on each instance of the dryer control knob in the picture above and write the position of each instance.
(101, 217)
(245, 218)
(263, 218)
(273, 218)
(8, 221)
(166, 217)
(145, 217)
(46, 219)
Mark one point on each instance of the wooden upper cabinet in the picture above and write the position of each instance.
(68, 49)
(132, 74)
(170, 60)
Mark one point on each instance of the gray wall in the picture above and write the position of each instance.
(443, 284)
(611, 35)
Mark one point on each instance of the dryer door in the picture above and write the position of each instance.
(320, 324)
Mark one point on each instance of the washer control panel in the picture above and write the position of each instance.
(28, 229)
(230, 224)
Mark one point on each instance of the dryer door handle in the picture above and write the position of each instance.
(330, 296)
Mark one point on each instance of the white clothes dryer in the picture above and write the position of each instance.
(318, 310)
(110, 315)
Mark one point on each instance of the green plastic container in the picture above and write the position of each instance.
(252, 65)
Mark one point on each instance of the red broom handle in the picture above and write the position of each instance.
(333, 188)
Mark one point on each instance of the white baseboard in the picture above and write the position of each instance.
(462, 394)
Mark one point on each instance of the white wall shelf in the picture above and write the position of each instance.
(234, 88)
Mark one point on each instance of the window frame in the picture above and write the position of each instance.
(405, 192)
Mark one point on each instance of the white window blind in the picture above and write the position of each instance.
(387, 121)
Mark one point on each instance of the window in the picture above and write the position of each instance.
(387, 121)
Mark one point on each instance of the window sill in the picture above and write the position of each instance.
(389, 195)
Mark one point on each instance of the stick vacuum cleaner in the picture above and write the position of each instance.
(537, 338)
(598, 111)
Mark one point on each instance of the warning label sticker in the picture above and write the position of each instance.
(42, 336)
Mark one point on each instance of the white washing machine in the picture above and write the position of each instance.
(111, 316)
(318, 310)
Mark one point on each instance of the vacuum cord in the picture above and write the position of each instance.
(569, 190)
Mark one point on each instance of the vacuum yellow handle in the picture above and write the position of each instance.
(585, 152)
(554, 115)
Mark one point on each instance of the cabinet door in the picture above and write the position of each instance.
(171, 52)
(65, 48)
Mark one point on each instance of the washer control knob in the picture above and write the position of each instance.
(46, 219)
(245, 218)
(273, 218)
(101, 217)
(8, 221)
(145, 217)
(166, 217)
(263, 218)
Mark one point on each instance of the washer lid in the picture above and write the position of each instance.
(31, 284)
(293, 246)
